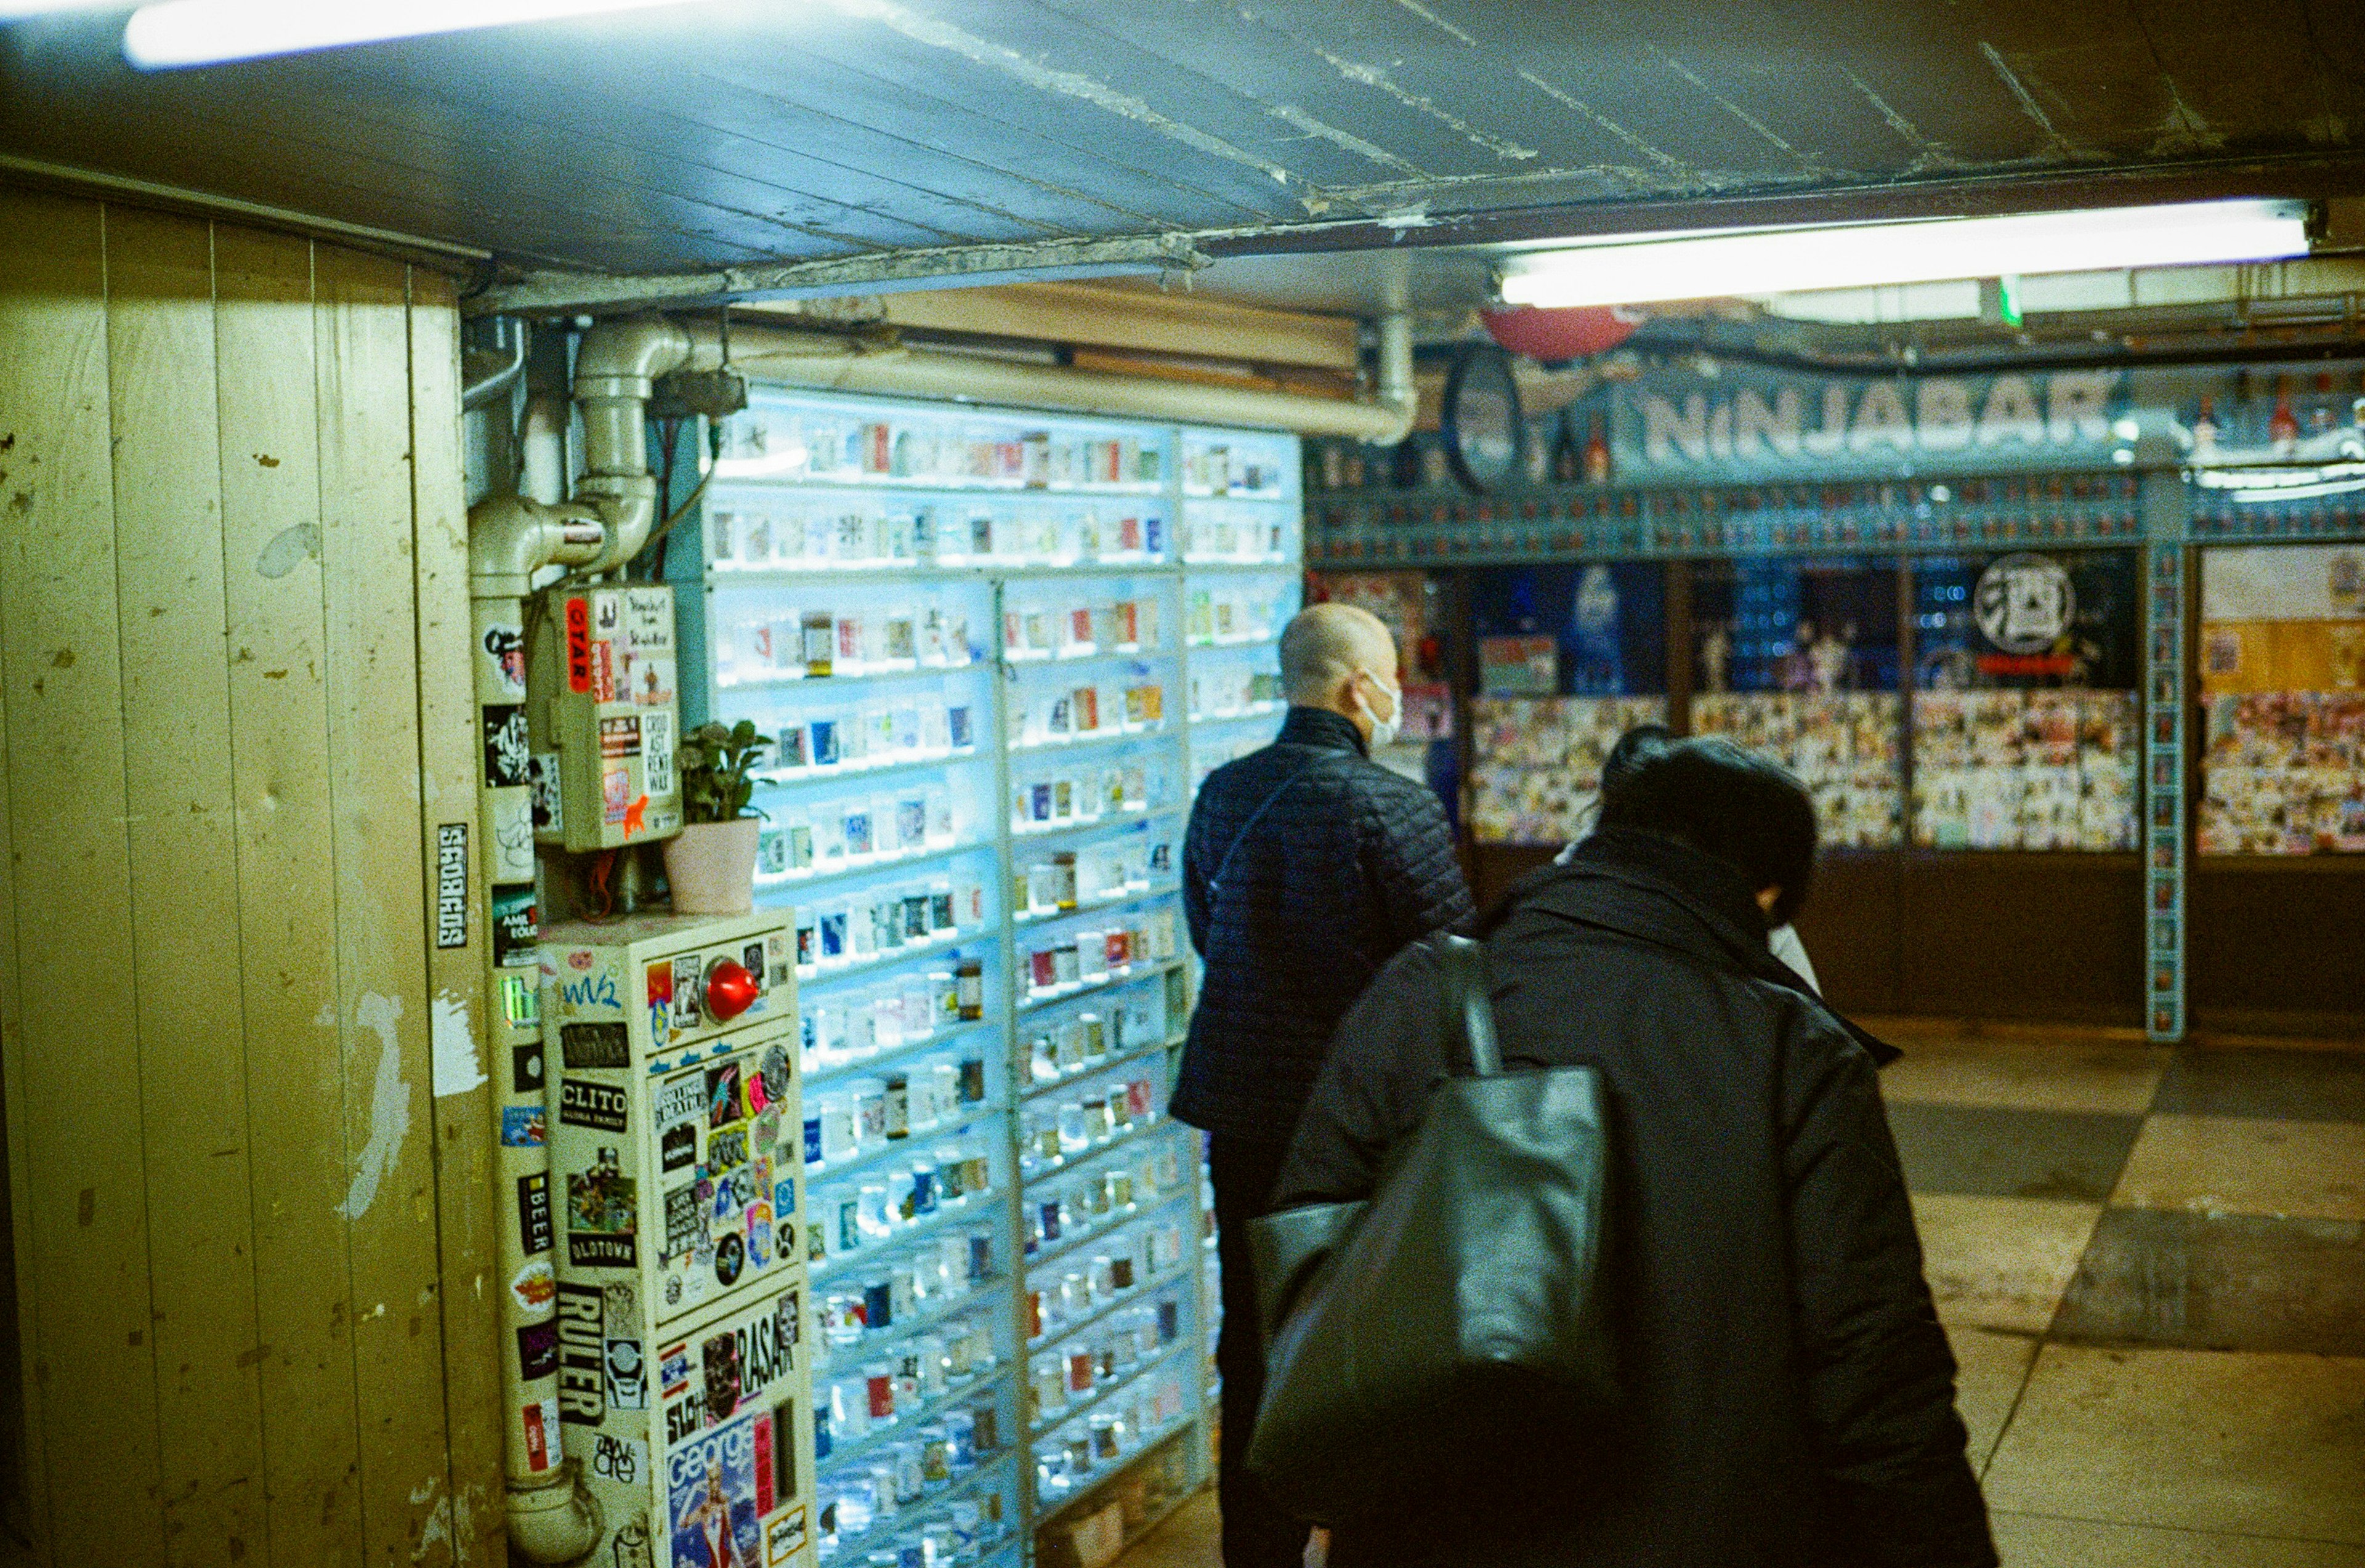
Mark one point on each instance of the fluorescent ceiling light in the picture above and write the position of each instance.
(18, 10)
(1779, 261)
(214, 32)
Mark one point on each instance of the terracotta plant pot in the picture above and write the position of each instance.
(712, 868)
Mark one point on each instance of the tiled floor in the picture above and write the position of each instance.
(2152, 1266)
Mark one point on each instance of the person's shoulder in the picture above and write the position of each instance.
(1388, 792)
(1239, 773)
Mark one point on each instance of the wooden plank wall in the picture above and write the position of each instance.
(247, 1130)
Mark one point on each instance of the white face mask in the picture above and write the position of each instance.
(1384, 731)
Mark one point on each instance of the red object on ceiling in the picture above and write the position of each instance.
(1571, 334)
(730, 990)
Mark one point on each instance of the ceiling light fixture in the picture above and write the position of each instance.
(177, 33)
(25, 10)
(1628, 271)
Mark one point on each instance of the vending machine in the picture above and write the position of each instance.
(676, 1171)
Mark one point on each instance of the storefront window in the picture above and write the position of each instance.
(1569, 658)
(2025, 716)
(2282, 676)
(1797, 660)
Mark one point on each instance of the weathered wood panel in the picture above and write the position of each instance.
(75, 1097)
(286, 886)
(177, 769)
(232, 522)
(361, 348)
(450, 750)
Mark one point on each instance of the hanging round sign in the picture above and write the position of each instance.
(2024, 603)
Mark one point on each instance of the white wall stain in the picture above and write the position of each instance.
(436, 1528)
(456, 1064)
(389, 1103)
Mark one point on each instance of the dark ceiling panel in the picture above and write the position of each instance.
(1171, 58)
(740, 132)
(879, 121)
(1319, 90)
(979, 76)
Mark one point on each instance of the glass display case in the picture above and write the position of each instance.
(995, 651)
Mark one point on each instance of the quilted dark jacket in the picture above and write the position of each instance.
(1789, 1391)
(1338, 864)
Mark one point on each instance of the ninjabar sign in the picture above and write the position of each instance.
(1743, 423)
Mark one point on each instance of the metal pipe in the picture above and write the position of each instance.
(478, 393)
(544, 441)
(824, 361)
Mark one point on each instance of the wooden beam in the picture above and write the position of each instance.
(1138, 319)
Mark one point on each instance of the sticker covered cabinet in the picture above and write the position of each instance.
(675, 1133)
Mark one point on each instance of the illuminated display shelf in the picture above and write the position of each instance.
(778, 541)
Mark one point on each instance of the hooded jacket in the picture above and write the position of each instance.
(1788, 1393)
(1306, 868)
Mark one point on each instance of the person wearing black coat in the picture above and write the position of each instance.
(1786, 1391)
(1306, 868)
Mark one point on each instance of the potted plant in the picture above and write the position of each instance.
(711, 862)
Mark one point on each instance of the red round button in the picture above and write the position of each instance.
(730, 990)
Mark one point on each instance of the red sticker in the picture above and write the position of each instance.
(578, 644)
(538, 1456)
(764, 1499)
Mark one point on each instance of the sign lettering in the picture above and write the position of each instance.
(582, 1355)
(452, 885)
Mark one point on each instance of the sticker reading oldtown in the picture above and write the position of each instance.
(602, 1215)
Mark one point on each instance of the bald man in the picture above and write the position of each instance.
(1306, 868)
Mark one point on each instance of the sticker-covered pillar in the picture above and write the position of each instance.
(509, 541)
(2167, 702)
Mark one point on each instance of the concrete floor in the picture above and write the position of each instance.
(2152, 1265)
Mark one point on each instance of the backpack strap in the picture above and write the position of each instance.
(1468, 1015)
(1216, 882)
